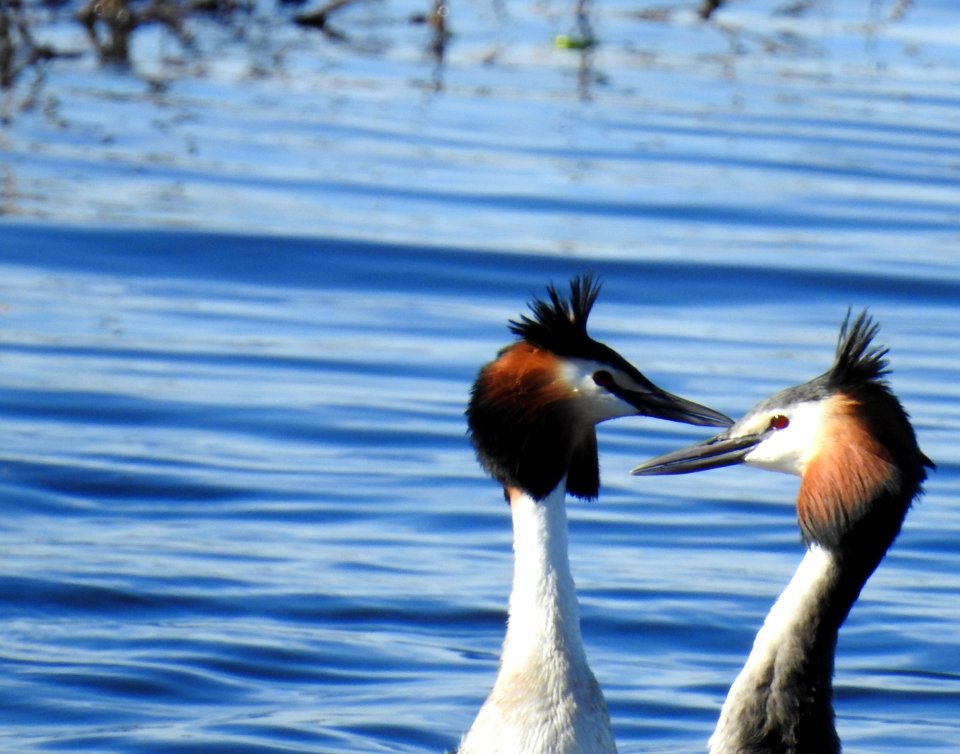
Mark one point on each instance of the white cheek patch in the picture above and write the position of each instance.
(790, 449)
(601, 404)
(578, 373)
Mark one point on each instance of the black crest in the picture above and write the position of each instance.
(560, 325)
(858, 361)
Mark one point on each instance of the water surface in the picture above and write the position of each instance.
(240, 318)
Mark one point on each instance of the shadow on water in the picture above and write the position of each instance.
(378, 267)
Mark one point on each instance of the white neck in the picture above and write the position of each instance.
(782, 695)
(544, 611)
(545, 699)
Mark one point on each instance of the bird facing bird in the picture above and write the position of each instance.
(532, 416)
(846, 435)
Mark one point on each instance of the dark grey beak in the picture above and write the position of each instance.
(663, 405)
(711, 454)
(649, 400)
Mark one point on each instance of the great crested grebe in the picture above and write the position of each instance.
(850, 441)
(532, 417)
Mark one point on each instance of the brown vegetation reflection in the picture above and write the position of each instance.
(111, 27)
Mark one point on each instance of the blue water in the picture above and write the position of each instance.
(239, 320)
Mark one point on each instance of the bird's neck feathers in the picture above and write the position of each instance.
(525, 426)
(545, 700)
(781, 702)
(544, 612)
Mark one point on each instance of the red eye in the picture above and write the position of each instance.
(779, 422)
(603, 378)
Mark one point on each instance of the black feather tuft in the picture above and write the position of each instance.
(858, 361)
(560, 324)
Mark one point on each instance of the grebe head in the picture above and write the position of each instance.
(844, 433)
(533, 410)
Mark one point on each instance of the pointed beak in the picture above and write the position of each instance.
(710, 454)
(663, 405)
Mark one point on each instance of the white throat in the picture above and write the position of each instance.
(545, 699)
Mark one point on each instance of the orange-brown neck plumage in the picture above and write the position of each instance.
(526, 427)
(851, 470)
